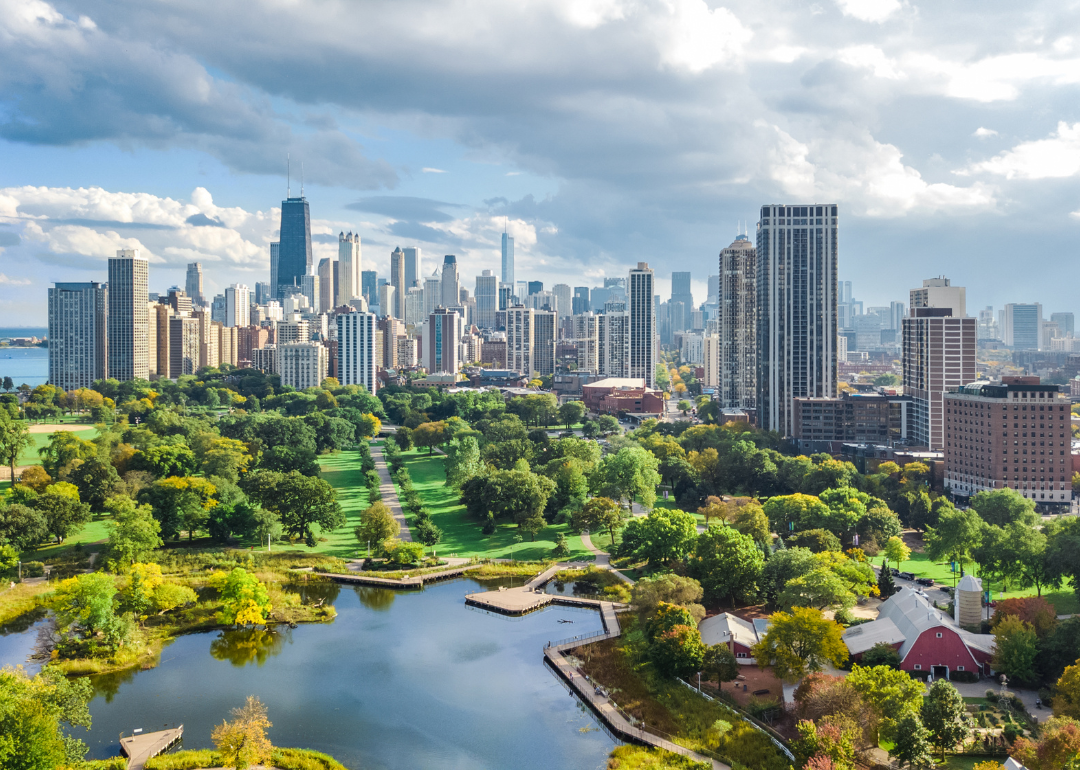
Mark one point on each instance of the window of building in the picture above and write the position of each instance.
(918, 666)
(939, 635)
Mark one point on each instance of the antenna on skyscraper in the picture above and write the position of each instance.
(288, 175)
(301, 179)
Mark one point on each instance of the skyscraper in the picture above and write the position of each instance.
(506, 296)
(544, 333)
(432, 293)
(581, 300)
(520, 340)
(349, 268)
(796, 286)
(356, 364)
(681, 293)
(442, 334)
(264, 292)
(275, 268)
(737, 326)
(412, 267)
(369, 286)
(237, 305)
(194, 285)
(486, 299)
(563, 302)
(77, 334)
(1023, 326)
(328, 269)
(294, 250)
(450, 297)
(1065, 323)
(129, 317)
(414, 306)
(508, 260)
(387, 299)
(535, 287)
(642, 337)
(397, 280)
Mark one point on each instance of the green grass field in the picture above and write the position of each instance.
(342, 470)
(92, 538)
(29, 456)
(461, 533)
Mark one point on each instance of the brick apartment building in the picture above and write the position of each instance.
(1015, 434)
(615, 395)
(862, 418)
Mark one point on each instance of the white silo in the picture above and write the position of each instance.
(967, 602)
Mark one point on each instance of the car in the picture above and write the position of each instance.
(895, 571)
(948, 589)
(925, 581)
(907, 576)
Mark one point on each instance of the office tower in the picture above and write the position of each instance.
(391, 328)
(535, 287)
(642, 337)
(275, 265)
(309, 287)
(580, 303)
(263, 293)
(294, 251)
(302, 365)
(938, 354)
(563, 300)
(521, 291)
(356, 364)
(544, 335)
(237, 305)
(449, 294)
(369, 286)
(441, 336)
(613, 344)
(291, 331)
(183, 345)
(988, 326)
(349, 268)
(194, 284)
(413, 270)
(520, 341)
(486, 299)
(414, 306)
(508, 259)
(229, 344)
(713, 297)
(387, 299)
(77, 334)
(797, 327)
(541, 300)
(506, 296)
(1023, 325)
(397, 280)
(711, 362)
(681, 292)
(737, 326)
(327, 295)
(585, 336)
(1064, 323)
(128, 318)
(463, 295)
(616, 284)
(217, 307)
(432, 293)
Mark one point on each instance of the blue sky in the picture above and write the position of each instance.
(600, 132)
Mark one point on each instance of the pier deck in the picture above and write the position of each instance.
(144, 746)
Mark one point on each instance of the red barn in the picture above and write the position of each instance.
(926, 638)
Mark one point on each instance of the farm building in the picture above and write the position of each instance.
(738, 634)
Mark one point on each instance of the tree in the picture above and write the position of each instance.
(1057, 747)
(300, 502)
(243, 741)
(750, 519)
(96, 479)
(36, 478)
(820, 588)
(403, 438)
(22, 527)
(891, 694)
(377, 525)
(799, 642)
(598, 514)
(783, 567)
(664, 536)
(896, 552)
(1067, 693)
(817, 540)
(720, 663)
(571, 413)
(133, 532)
(606, 425)
(227, 458)
(1015, 649)
(1035, 610)
(34, 713)
(245, 599)
(945, 716)
(169, 596)
(629, 473)
(143, 581)
(14, 438)
(881, 654)
(678, 652)
(462, 461)
(64, 514)
(404, 554)
(788, 513)
(956, 535)
(885, 584)
(648, 593)
(429, 434)
(728, 564)
(1001, 507)
(912, 745)
(180, 503)
(84, 609)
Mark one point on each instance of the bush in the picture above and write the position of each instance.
(426, 532)
(992, 696)
(968, 677)
(489, 525)
(32, 569)
(116, 763)
(1011, 732)
(1046, 696)
(184, 760)
(302, 759)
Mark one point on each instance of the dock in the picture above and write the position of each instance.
(144, 746)
(415, 581)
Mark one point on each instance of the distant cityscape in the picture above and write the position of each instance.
(779, 341)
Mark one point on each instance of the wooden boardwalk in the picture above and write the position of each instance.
(414, 581)
(144, 746)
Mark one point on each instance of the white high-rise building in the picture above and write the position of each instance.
(129, 316)
(508, 260)
(797, 300)
(412, 266)
(520, 330)
(642, 337)
(77, 334)
(711, 363)
(237, 305)
(432, 293)
(349, 267)
(397, 280)
(940, 293)
(586, 337)
(414, 306)
(302, 365)
(736, 377)
(487, 299)
(356, 361)
(387, 299)
(564, 300)
(328, 277)
(450, 295)
(193, 286)
(613, 344)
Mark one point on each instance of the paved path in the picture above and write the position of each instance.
(978, 690)
(603, 559)
(389, 492)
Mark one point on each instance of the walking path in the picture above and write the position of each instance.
(415, 581)
(389, 492)
(603, 559)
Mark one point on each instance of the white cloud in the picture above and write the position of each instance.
(1053, 158)
(8, 281)
(429, 170)
(982, 132)
(698, 37)
(869, 10)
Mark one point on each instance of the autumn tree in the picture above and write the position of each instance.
(243, 742)
(245, 599)
(1067, 693)
(799, 642)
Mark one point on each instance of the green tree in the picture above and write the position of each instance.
(648, 593)
(96, 479)
(664, 536)
(377, 526)
(956, 535)
(788, 513)
(462, 461)
(1001, 507)
(881, 654)
(134, 533)
(84, 609)
(800, 642)
(678, 652)
(820, 588)
(728, 564)
(300, 502)
(226, 458)
(430, 435)
(14, 438)
(892, 694)
(34, 716)
(817, 540)
(895, 551)
(720, 664)
(598, 514)
(245, 599)
(180, 503)
(64, 513)
(750, 519)
(22, 527)
(1015, 649)
(945, 716)
(630, 473)
(912, 745)
(405, 554)
(783, 567)
(138, 594)
(571, 413)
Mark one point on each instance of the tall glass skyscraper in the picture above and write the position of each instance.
(508, 260)
(294, 249)
(128, 321)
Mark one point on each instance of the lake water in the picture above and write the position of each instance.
(399, 681)
(29, 365)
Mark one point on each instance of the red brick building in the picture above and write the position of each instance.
(1016, 434)
(616, 395)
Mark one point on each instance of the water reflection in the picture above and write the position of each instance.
(108, 685)
(249, 645)
(315, 593)
(23, 622)
(375, 598)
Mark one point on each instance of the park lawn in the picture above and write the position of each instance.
(92, 538)
(29, 456)
(342, 470)
(461, 533)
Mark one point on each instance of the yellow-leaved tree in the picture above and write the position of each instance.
(242, 742)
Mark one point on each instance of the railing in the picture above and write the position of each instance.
(578, 638)
(772, 734)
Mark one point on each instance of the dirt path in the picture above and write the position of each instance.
(55, 428)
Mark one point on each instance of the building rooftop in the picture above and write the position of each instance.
(627, 383)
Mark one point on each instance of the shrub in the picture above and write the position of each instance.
(1011, 732)
(116, 763)
(489, 525)
(33, 569)
(184, 760)
(969, 677)
(992, 696)
(427, 533)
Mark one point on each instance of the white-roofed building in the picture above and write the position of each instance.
(738, 634)
(926, 638)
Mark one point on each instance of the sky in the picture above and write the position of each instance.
(600, 133)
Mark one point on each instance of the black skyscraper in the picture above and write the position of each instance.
(294, 253)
